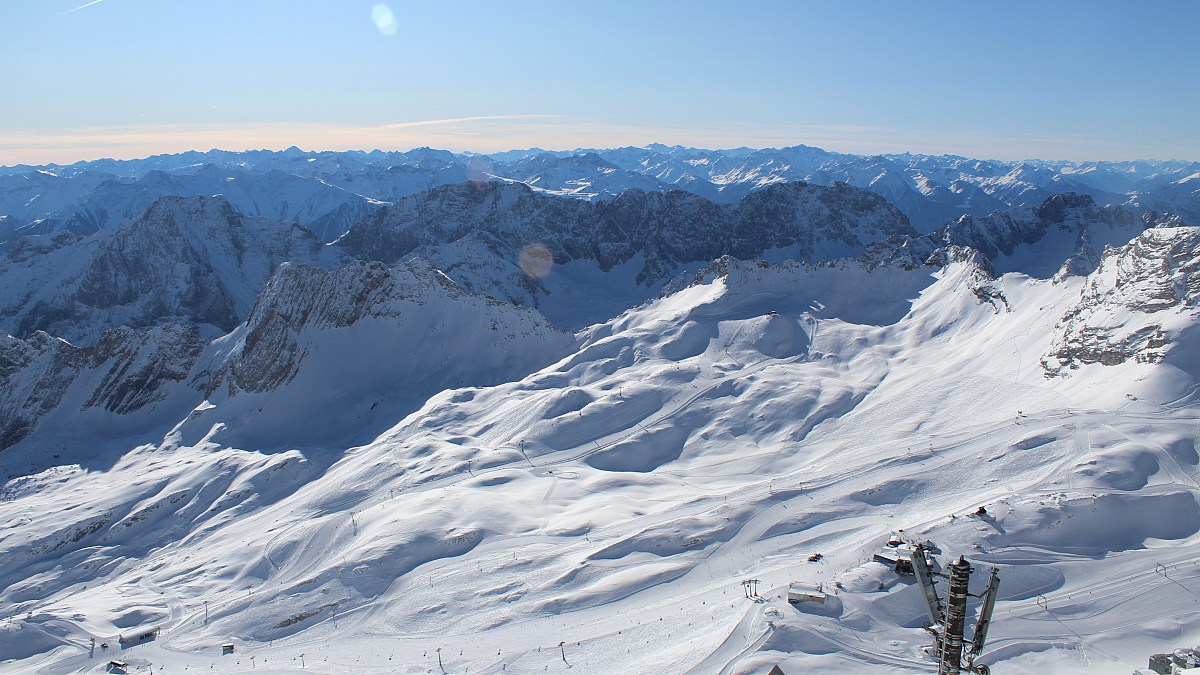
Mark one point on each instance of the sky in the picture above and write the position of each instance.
(1069, 79)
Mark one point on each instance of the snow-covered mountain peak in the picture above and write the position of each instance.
(176, 211)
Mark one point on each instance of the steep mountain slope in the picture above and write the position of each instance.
(602, 510)
(186, 259)
(8, 227)
(324, 352)
(33, 193)
(125, 371)
(1180, 197)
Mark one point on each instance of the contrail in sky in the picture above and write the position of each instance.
(93, 2)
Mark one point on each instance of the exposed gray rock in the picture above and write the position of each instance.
(135, 365)
(191, 260)
(34, 376)
(1063, 236)
(1132, 305)
(409, 305)
(666, 230)
(124, 372)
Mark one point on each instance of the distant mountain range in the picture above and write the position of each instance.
(329, 191)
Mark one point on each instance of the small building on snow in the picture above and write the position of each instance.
(897, 555)
(803, 592)
(140, 636)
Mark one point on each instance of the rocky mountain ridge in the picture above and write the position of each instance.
(659, 232)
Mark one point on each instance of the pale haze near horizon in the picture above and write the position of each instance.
(85, 79)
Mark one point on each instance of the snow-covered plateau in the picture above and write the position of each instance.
(491, 427)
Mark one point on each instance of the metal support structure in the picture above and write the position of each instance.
(951, 647)
(924, 576)
(948, 621)
(985, 616)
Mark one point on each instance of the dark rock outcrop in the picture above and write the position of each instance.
(667, 229)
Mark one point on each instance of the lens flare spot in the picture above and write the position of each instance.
(536, 261)
(384, 20)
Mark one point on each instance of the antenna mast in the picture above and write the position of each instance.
(947, 620)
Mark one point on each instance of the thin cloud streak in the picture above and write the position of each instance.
(93, 2)
(455, 120)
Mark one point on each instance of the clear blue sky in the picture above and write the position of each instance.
(1060, 80)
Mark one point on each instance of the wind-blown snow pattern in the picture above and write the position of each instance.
(386, 465)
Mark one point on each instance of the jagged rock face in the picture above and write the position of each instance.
(124, 372)
(409, 305)
(824, 221)
(365, 325)
(189, 260)
(1063, 236)
(34, 376)
(28, 247)
(137, 364)
(1132, 304)
(299, 298)
(333, 224)
(997, 234)
(667, 229)
(505, 216)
